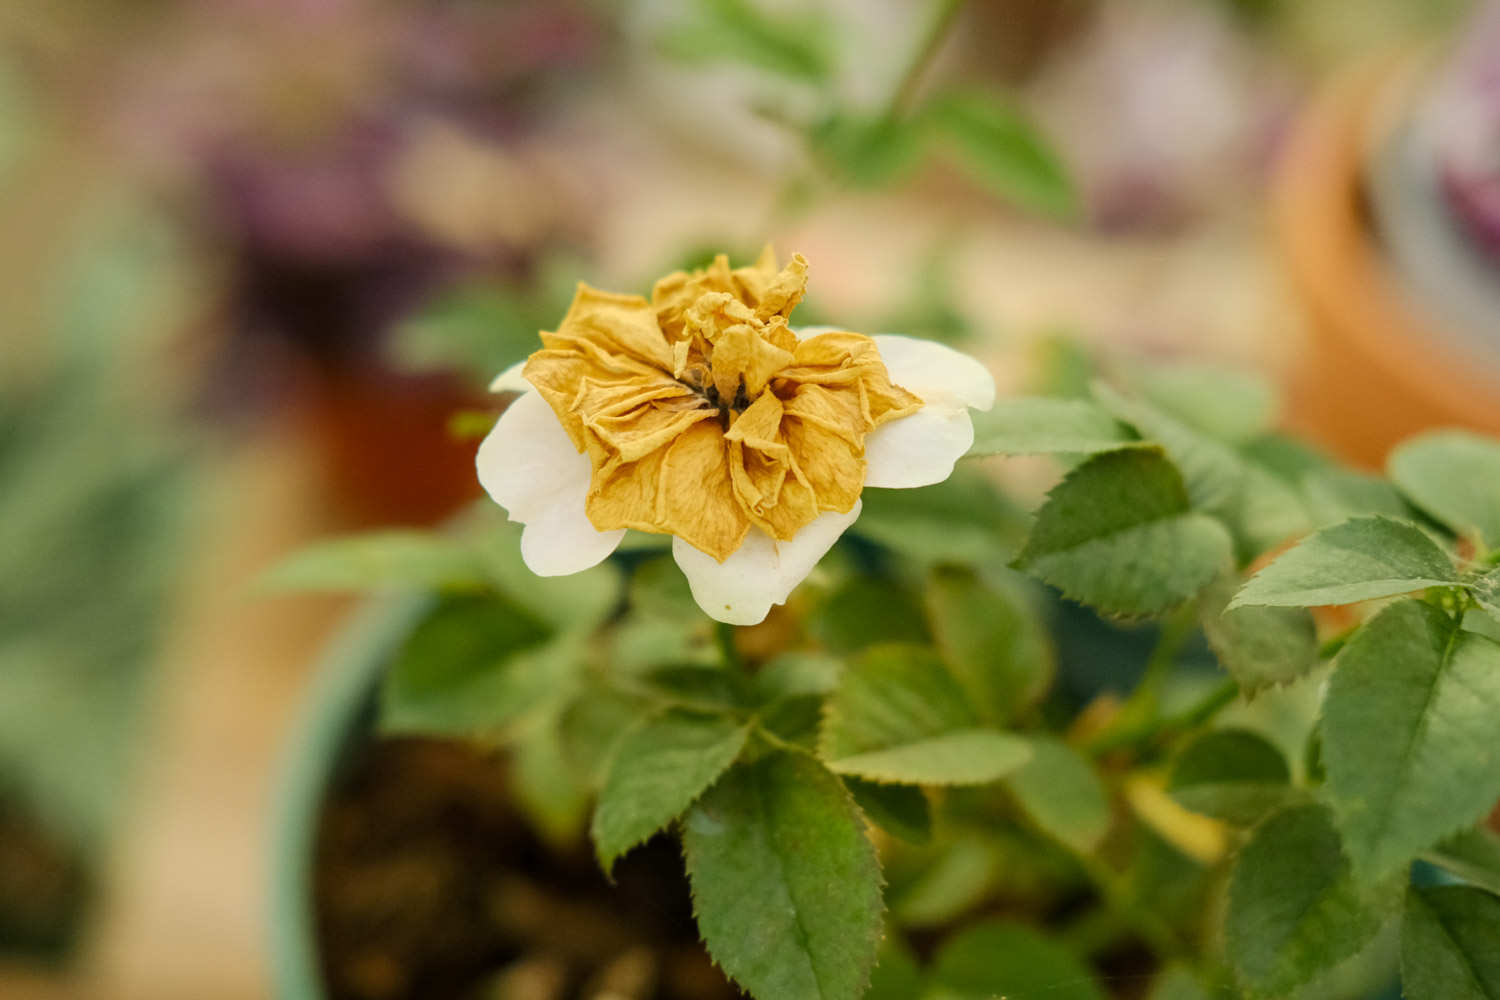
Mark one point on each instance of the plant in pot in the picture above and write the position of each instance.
(1215, 720)
(1384, 200)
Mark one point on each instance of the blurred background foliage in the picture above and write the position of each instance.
(329, 222)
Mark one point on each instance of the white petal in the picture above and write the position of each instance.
(761, 572)
(511, 380)
(528, 465)
(918, 450)
(936, 372)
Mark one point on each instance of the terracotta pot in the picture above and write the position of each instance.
(1375, 368)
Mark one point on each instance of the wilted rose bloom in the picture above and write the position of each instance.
(703, 415)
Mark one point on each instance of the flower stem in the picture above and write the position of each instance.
(941, 20)
(728, 651)
(1140, 715)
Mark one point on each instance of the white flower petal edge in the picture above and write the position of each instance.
(922, 449)
(918, 450)
(511, 380)
(761, 572)
(528, 465)
(936, 372)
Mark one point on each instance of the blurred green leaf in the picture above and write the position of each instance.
(796, 46)
(897, 975)
(867, 151)
(659, 768)
(1061, 793)
(785, 884)
(1000, 959)
(549, 791)
(889, 696)
(864, 611)
(1294, 909)
(1473, 855)
(1260, 508)
(400, 558)
(1230, 774)
(480, 329)
(797, 674)
(1040, 425)
(475, 666)
(1334, 495)
(1230, 404)
(1409, 737)
(991, 637)
(1454, 476)
(996, 144)
(964, 520)
(578, 601)
(1450, 944)
(1117, 534)
(1257, 646)
(900, 810)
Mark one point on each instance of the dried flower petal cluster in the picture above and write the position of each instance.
(701, 412)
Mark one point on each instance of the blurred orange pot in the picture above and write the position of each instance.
(1374, 369)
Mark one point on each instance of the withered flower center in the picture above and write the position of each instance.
(701, 412)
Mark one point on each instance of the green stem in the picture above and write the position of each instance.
(1139, 716)
(1151, 929)
(943, 14)
(724, 638)
(1222, 696)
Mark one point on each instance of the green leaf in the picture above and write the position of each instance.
(1454, 476)
(1257, 646)
(1294, 909)
(889, 696)
(1473, 855)
(964, 520)
(416, 559)
(864, 611)
(959, 757)
(659, 768)
(1230, 404)
(897, 809)
(1334, 495)
(577, 601)
(999, 959)
(1230, 774)
(796, 675)
(1061, 793)
(1358, 560)
(1042, 425)
(553, 796)
(794, 46)
(897, 975)
(1117, 534)
(474, 666)
(1177, 983)
(786, 886)
(959, 873)
(899, 716)
(1260, 509)
(992, 640)
(1409, 737)
(658, 589)
(1001, 149)
(1486, 591)
(867, 150)
(1450, 944)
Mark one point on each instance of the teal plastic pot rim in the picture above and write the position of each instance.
(337, 697)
